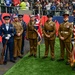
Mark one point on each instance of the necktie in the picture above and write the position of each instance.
(7, 27)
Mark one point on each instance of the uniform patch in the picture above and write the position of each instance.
(11, 27)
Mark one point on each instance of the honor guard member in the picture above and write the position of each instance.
(18, 37)
(49, 36)
(7, 32)
(32, 36)
(24, 31)
(65, 32)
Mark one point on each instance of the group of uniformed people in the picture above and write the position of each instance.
(15, 32)
(49, 30)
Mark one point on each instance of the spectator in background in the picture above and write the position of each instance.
(48, 5)
(53, 8)
(8, 4)
(44, 7)
(73, 2)
(27, 4)
(37, 7)
(23, 5)
(16, 3)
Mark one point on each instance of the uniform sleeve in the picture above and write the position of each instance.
(59, 34)
(43, 30)
(1, 32)
(53, 33)
(69, 32)
(21, 29)
(13, 31)
(27, 31)
(24, 26)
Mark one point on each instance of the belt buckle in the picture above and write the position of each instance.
(47, 31)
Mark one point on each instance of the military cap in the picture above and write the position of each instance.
(32, 16)
(66, 13)
(6, 17)
(15, 16)
(20, 15)
(50, 15)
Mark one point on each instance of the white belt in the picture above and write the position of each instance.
(64, 32)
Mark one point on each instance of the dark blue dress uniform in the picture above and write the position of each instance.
(24, 32)
(7, 32)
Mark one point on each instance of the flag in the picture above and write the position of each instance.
(57, 27)
(38, 27)
(73, 49)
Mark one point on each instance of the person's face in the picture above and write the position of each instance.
(20, 18)
(32, 18)
(16, 19)
(50, 18)
(7, 21)
(66, 17)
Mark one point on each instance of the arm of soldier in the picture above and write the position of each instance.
(53, 33)
(25, 26)
(1, 32)
(59, 32)
(13, 31)
(21, 29)
(69, 32)
(27, 32)
(43, 30)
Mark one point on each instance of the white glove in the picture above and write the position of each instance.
(9, 35)
(7, 38)
(73, 42)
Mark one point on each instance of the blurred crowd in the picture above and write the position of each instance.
(50, 6)
(42, 6)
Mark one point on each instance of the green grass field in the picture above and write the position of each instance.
(39, 66)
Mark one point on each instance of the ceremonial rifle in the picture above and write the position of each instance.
(2, 54)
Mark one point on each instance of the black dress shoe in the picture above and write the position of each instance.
(13, 61)
(67, 63)
(73, 68)
(44, 57)
(30, 55)
(35, 56)
(52, 59)
(22, 53)
(5, 62)
(60, 60)
(15, 58)
(20, 56)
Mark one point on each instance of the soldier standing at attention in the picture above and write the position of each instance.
(32, 35)
(49, 36)
(24, 31)
(17, 38)
(7, 32)
(65, 32)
